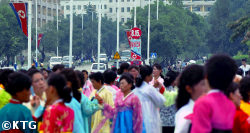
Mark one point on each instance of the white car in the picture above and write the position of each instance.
(103, 58)
(94, 69)
(55, 61)
(65, 61)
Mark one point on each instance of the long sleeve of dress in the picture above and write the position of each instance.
(137, 115)
(89, 107)
(109, 111)
(156, 97)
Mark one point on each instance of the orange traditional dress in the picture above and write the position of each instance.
(57, 118)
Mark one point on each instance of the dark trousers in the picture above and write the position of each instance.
(167, 129)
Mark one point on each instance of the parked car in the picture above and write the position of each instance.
(65, 61)
(54, 61)
(103, 58)
(94, 66)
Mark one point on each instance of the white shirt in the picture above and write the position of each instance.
(151, 100)
(182, 124)
(245, 69)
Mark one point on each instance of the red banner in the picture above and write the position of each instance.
(39, 39)
(20, 10)
(129, 38)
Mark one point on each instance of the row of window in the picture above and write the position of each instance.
(120, 0)
(122, 9)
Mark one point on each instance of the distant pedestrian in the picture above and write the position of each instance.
(245, 67)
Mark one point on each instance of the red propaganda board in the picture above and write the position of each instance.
(129, 37)
(135, 33)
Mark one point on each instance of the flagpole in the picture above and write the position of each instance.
(157, 10)
(36, 30)
(71, 33)
(57, 27)
(99, 35)
(29, 32)
(148, 31)
(134, 13)
(118, 29)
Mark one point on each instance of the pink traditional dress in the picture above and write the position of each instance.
(58, 118)
(87, 88)
(213, 112)
(127, 114)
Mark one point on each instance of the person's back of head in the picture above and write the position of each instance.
(114, 69)
(17, 82)
(109, 76)
(58, 67)
(245, 88)
(220, 70)
(189, 77)
(71, 77)
(4, 76)
(81, 77)
(98, 77)
(144, 72)
(123, 68)
(170, 78)
(59, 82)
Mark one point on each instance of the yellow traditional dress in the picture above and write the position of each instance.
(98, 117)
(245, 107)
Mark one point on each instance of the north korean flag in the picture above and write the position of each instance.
(20, 10)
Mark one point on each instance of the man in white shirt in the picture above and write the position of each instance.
(245, 67)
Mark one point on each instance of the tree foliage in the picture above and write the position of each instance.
(84, 40)
(222, 14)
(12, 39)
(177, 34)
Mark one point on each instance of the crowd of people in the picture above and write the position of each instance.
(214, 98)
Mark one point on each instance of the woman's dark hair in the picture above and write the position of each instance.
(232, 88)
(144, 72)
(191, 75)
(124, 66)
(60, 83)
(98, 76)
(58, 67)
(4, 76)
(85, 72)
(71, 77)
(23, 71)
(245, 88)
(109, 76)
(239, 71)
(81, 77)
(220, 70)
(129, 78)
(170, 78)
(114, 69)
(32, 71)
(17, 82)
(133, 67)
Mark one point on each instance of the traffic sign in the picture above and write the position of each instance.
(135, 33)
(153, 55)
(117, 56)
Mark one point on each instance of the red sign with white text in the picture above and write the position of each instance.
(135, 33)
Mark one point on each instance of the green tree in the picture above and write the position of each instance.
(177, 34)
(223, 13)
(12, 39)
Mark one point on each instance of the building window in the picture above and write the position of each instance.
(105, 6)
(110, 1)
(116, 9)
(122, 19)
(94, 6)
(54, 12)
(49, 11)
(122, 9)
(79, 7)
(67, 7)
(85, 6)
(74, 7)
(110, 10)
(62, 7)
(128, 9)
(128, 19)
(122, 0)
(128, 0)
